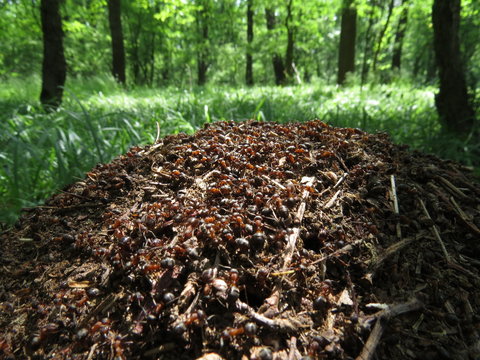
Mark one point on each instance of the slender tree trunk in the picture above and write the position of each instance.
(202, 53)
(453, 106)
(382, 34)
(277, 61)
(166, 65)
(367, 48)
(399, 36)
(202, 67)
(151, 74)
(118, 49)
(134, 51)
(54, 67)
(348, 33)
(289, 67)
(249, 57)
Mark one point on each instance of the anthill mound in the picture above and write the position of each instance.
(250, 241)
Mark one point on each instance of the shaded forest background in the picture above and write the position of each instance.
(130, 65)
(186, 42)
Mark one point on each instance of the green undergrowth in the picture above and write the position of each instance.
(41, 152)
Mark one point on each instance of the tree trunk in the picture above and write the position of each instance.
(278, 66)
(135, 29)
(367, 48)
(289, 67)
(348, 33)
(151, 62)
(54, 67)
(399, 36)
(202, 53)
(202, 68)
(454, 109)
(382, 34)
(118, 50)
(249, 57)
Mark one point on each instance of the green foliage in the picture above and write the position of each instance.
(20, 38)
(40, 152)
(163, 39)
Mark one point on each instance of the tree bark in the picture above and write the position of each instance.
(118, 49)
(399, 36)
(452, 101)
(54, 67)
(348, 33)
(277, 61)
(249, 57)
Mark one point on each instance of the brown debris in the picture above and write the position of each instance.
(250, 241)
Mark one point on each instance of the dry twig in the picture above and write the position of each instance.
(435, 231)
(396, 208)
(369, 349)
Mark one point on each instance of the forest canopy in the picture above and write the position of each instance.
(164, 40)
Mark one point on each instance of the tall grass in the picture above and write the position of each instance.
(40, 152)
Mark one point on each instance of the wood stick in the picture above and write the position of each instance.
(331, 202)
(340, 251)
(453, 189)
(368, 350)
(435, 231)
(340, 181)
(293, 348)
(158, 133)
(281, 325)
(396, 209)
(453, 206)
(274, 182)
(292, 238)
(393, 249)
(466, 219)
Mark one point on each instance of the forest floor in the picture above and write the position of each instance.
(250, 240)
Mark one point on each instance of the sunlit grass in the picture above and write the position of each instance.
(99, 119)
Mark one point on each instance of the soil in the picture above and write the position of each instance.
(250, 240)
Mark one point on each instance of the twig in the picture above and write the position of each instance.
(435, 231)
(274, 182)
(92, 351)
(160, 349)
(393, 249)
(466, 220)
(340, 181)
(345, 249)
(353, 296)
(374, 338)
(272, 300)
(280, 325)
(65, 208)
(460, 268)
(453, 189)
(292, 238)
(330, 203)
(293, 351)
(158, 133)
(106, 304)
(453, 206)
(395, 205)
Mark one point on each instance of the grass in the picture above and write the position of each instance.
(40, 153)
